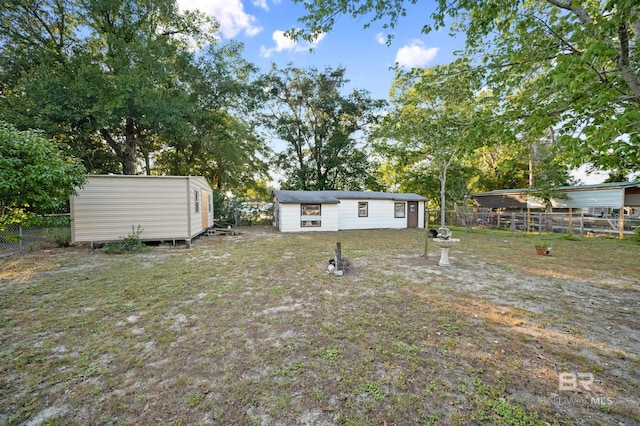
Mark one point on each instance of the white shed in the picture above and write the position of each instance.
(167, 208)
(295, 211)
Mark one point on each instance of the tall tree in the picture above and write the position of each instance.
(436, 120)
(573, 65)
(119, 84)
(219, 140)
(320, 127)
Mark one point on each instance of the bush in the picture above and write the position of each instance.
(570, 236)
(128, 244)
(61, 237)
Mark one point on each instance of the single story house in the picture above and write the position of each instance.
(167, 208)
(295, 211)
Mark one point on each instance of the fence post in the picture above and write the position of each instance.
(539, 224)
(581, 223)
(20, 238)
(513, 224)
(570, 230)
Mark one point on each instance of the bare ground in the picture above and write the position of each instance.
(253, 330)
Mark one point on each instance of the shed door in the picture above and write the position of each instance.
(412, 215)
(205, 209)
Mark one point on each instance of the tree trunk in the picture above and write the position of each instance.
(129, 152)
(443, 184)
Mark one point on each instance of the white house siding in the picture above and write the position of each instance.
(289, 218)
(107, 208)
(380, 215)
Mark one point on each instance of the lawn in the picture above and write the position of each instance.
(251, 329)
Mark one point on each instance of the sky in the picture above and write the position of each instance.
(364, 53)
(260, 26)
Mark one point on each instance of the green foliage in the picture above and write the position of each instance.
(374, 389)
(61, 237)
(35, 177)
(573, 66)
(434, 125)
(117, 83)
(570, 236)
(491, 407)
(128, 244)
(320, 126)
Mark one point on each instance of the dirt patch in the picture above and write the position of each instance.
(251, 329)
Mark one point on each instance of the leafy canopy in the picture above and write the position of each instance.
(35, 177)
(320, 128)
(573, 65)
(130, 86)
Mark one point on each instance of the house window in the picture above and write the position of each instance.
(210, 203)
(398, 210)
(363, 209)
(310, 215)
(197, 200)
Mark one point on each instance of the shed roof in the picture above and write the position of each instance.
(597, 195)
(610, 185)
(201, 179)
(334, 197)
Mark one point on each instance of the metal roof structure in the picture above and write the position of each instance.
(334, 197)
(614, 194)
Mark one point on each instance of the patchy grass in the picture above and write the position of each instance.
(252, 330)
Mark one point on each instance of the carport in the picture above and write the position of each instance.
(620, 197)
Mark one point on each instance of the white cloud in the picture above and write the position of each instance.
(381, 38)
(261, 4)
(230, 13)
(415, 54)
(284, 43)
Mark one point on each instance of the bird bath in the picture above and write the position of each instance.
(445, 242)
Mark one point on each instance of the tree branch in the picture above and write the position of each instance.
(571, 6)
(112, 143)
(628, 73)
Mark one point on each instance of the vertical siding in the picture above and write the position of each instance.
(198, 224)
(381, 215)
(290, 218)
(420, 214)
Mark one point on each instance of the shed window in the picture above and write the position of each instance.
(363, 209)
(398, 210)
(310, 209)
(310, 215)
(196, 195)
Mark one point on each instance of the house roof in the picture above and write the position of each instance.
(334, 197)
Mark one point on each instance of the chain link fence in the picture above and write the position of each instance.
(49, 232)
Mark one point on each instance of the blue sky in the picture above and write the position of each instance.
(260, 24)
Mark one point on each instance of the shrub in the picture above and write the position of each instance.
(130, 243)
(570, 236)
(61, 237)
